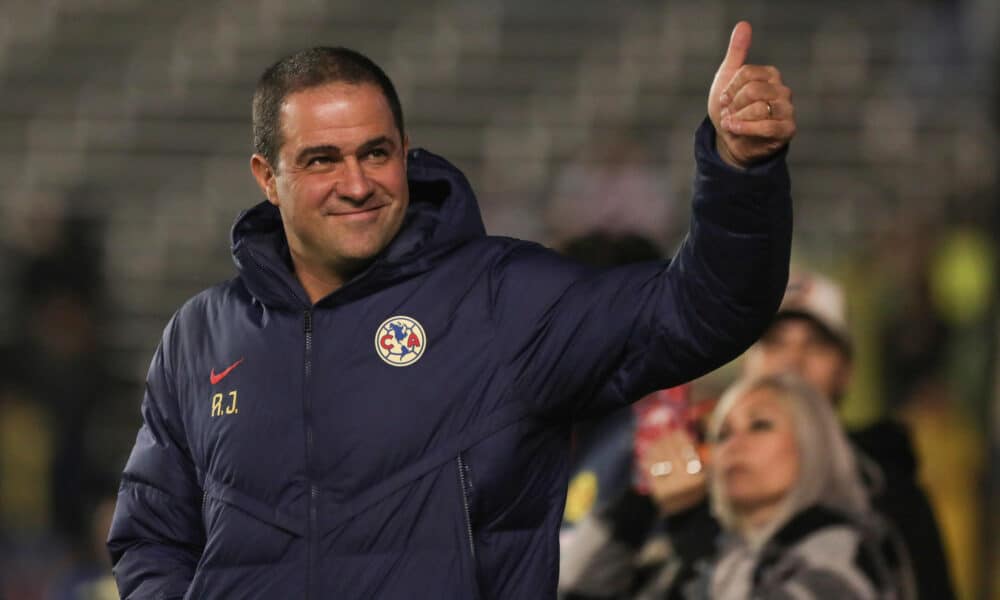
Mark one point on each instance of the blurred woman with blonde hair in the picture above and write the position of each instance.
(784, 488)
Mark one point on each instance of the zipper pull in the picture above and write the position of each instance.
(309, 321)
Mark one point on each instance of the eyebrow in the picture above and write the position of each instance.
(335, 150)
(376, 142)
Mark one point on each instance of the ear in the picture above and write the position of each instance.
(406, 149)
(265, 176)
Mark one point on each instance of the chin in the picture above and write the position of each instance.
(361, 248)
(750, 500)
(357, 260)
(747, 495)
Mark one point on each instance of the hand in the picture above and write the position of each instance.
(751, 109)
(677, 475)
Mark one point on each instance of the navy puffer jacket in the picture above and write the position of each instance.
(406, 436)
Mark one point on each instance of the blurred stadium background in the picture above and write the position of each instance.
(124, 146)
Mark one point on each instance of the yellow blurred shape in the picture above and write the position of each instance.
(961, 277)
(581, 496)
(25, 455)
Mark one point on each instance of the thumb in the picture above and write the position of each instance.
(739, 47)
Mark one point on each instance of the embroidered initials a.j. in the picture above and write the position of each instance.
(217, 406)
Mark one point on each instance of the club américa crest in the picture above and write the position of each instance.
(400, 341)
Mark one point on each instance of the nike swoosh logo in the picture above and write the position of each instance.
(217, 378)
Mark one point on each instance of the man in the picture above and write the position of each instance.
(378, 405)
(809, 336)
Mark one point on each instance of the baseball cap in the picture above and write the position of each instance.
(819, 299)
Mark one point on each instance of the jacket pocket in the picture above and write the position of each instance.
(241, 530)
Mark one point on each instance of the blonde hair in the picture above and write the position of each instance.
(828, 473)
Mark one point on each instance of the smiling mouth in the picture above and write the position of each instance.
(362, 211)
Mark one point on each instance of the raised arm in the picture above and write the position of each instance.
(599, 340)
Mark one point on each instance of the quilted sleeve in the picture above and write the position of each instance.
(157, 534)
(584, 342)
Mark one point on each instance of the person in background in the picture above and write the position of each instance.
(808, 336)
(794, 515)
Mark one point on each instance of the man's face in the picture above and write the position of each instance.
(340, 181)
(798, 345)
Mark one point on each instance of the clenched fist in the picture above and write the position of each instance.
(750, 107)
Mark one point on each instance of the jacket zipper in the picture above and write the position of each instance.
(465, 503)
(311, 549)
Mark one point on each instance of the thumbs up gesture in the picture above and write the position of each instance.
(749, 105)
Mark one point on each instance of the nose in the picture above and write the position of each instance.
(788, 357)
(354, 186)
(733, 445)
(795, 362)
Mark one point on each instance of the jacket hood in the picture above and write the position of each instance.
(443, 214)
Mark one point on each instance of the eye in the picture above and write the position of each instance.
(378, 153)
(761, 424)
(318, 161)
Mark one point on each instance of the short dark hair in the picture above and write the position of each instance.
(306, 69)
